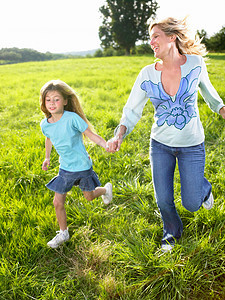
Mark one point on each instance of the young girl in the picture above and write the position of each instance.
(63, 127)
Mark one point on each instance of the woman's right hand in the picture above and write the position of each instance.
(114, 144)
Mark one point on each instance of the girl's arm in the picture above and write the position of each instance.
(48, 149)
(95, 138)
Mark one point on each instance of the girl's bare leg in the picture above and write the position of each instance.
(58, 202)
(99, 191)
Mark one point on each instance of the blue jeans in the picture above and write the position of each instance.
(195, 188)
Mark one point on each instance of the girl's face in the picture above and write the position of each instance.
(160, 42)
(55, 102)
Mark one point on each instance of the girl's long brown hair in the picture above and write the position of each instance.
(73, 103)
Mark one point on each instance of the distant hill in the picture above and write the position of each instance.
(81, 53)
(16, 55)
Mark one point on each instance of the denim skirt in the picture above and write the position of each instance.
(86, 180)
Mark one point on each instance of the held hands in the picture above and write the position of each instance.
(46, 164)
(114, 144)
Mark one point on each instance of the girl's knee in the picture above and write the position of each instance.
(58, 201)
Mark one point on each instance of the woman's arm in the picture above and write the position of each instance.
(208, 91)
(95, 138)
(132, 113)
(48, 149)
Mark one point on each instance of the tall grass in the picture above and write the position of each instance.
(114, 251)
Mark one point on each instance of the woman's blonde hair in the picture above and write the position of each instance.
(185, 44)
(73, 103)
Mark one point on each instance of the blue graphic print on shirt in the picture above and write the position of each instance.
(177, 110)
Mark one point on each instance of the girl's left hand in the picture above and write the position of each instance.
(46, 164)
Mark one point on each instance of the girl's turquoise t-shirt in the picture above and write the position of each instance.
(66, 137)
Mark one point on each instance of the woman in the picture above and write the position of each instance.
(171, 84)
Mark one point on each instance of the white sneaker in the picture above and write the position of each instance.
(61, 237)
(208, 204)
(167, 247)
(107, 198)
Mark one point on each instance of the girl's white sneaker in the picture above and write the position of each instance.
(61, 237)
(107, 198)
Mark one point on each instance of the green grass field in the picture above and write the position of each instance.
(114, 251)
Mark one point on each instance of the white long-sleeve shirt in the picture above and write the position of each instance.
(177, 122)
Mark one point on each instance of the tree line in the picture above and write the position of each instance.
(16, 55)
(215, 43)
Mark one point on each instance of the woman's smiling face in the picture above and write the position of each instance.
(160, 42)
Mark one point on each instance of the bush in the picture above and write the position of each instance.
(98, 53)
(143, 49)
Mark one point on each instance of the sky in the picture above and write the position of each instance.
(60, 26)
